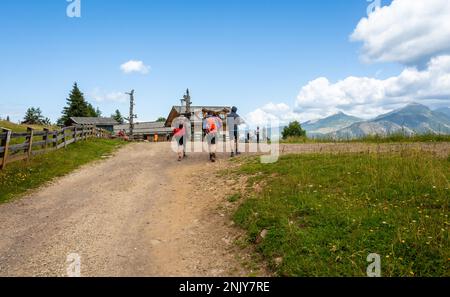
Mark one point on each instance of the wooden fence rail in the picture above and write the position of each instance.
(16, 146)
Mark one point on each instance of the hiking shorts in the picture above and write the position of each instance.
(180, 141)
(211, 138)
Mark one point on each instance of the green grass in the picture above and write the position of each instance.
(393, 138)
(234, 198)
(18, 177)
(19, 128)
(23, 128)
(326, 213)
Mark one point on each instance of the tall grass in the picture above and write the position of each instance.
(326, 213)
(398, 137)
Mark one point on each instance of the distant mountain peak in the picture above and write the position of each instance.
(329, 124)
(414, 118)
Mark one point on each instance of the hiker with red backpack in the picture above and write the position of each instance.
(211, 125)
(180, 134)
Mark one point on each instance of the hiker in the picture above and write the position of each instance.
(211, 125)
(179, 135)
(257, 135)
(233, 122)
(182, 120)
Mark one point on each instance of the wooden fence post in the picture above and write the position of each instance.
(55, 139)
(45, 138)
(75, 133)
(30, 142)
(64, 137)
(5, 144)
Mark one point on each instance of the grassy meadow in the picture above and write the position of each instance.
(323, 214)
(23, 128)
(393, 138)
(19, 128)
(21, 176)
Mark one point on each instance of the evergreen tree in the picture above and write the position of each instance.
(7, 119)
(118, 117)
(161, 119)
(98, 112)
(77, 106)
(34, 116)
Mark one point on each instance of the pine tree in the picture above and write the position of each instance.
(77, 106)
(98, 112)
(7, 118)
(118, 117)
(34, 116)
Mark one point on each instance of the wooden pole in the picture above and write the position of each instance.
(45, 138)
(64, 137)
(55, 139)
(5, 144)
(30, 142)
(75, 133)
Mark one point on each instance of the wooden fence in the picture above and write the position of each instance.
(16, 146)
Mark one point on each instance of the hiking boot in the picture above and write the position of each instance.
(213, 158)
(232, 155)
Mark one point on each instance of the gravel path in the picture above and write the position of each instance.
(138, 213)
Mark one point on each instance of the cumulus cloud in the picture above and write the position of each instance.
(369, 97)
(102, 96)
(135, 66)
(272, 112)
(415, 33)
(407, 31)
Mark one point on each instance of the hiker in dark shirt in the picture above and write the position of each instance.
(257, 135)
(233, 122)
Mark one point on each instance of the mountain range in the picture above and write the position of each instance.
(412, 119)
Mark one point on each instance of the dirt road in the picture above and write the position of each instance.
(138, 213)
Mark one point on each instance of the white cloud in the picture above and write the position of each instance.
(415, 33)
(272, 112)
(101, 96)
(369, 97)
(135, 66)
(407, 31)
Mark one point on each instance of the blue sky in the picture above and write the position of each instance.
(245, 53)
